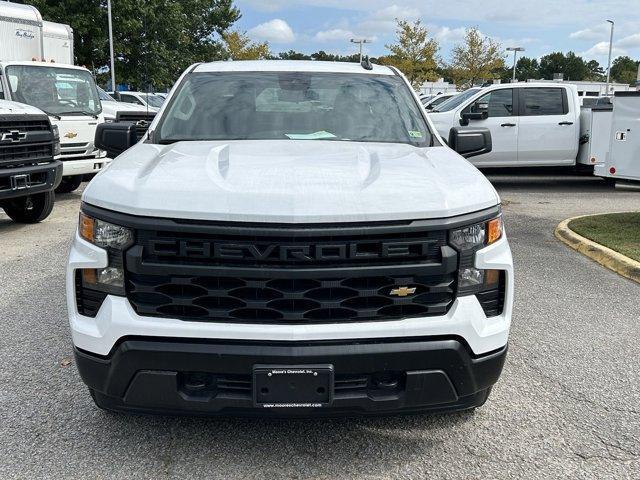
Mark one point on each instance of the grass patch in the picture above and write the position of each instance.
(618, 231)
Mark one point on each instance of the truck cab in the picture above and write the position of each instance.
(531, 124)
(68, 95)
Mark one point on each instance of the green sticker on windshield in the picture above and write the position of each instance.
(415, 134)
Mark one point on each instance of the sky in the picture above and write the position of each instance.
(539, 26)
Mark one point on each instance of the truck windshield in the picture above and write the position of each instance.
(456, 100)
(295, 106)
(153, 100)
(55, 90)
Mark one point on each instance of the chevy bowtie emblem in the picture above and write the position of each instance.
(13, 136)
(403, 291)
(70, 135)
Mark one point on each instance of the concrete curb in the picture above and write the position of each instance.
(606, 257)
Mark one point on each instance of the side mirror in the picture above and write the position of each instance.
(470, 142)
(466, 116)
(115, 137)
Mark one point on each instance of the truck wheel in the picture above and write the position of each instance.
(69, 184)
(31, 209)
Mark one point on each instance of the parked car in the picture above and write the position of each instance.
(531, 124)
(150, 100)
(29, 171)
(433, 101)
(290, 238)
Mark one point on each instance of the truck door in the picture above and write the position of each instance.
(549, 127)
(502, 121)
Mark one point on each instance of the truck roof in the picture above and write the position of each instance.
(44, 64)
(291, 66)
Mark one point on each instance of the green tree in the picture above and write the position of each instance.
(154, 40)
(415, 53)
(239, 46)
(595, 71)
(624, 70)
(476, 59)
(570, 65)
(293, 55)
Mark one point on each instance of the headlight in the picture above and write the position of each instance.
(114, 239)
(56, 140)
(467, 240)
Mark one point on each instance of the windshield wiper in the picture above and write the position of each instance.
(83, 112)
(54, 115)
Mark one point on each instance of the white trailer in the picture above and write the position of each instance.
(623, 159)
(57, 42)
(20, 32)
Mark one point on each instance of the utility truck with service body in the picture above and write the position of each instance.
(36, 69)
(28, 171)
(531, 124)
(290, 238)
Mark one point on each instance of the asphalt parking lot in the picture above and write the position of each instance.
(567, 405)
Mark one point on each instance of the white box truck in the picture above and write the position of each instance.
(65, 92)
(57, 40)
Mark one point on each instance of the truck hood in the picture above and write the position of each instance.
(289, 181)
(111, 109)
(9, 107)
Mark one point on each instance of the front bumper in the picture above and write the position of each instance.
(23, 181)
(83, 166)
(149, 375)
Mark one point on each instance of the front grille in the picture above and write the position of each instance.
(18, 154)
(304, 300)
(288, 274)
(27, 141)
(142, 121)
(25, 126)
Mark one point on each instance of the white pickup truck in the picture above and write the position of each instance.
(531, 124)
(290, 238)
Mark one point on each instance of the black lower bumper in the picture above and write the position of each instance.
(29, 180)
(215, 377)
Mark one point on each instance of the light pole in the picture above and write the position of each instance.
(113, 70)
(360, 41)
(606, 91)
(515, 51)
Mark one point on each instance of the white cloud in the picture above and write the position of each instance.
(446, 34)
(601, 49)
(334, 35)
(275, 31)
(384, 20)
(599, 32)
(632, 41)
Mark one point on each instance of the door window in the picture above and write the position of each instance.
(544, 101)
(130, 99)
(498, 103)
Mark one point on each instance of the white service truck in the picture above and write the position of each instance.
(290, 238)
(65, 92)
(531, 124)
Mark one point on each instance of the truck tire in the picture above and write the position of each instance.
(69, 184)
(31, 209)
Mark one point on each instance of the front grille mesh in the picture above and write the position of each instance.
(309, 300)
